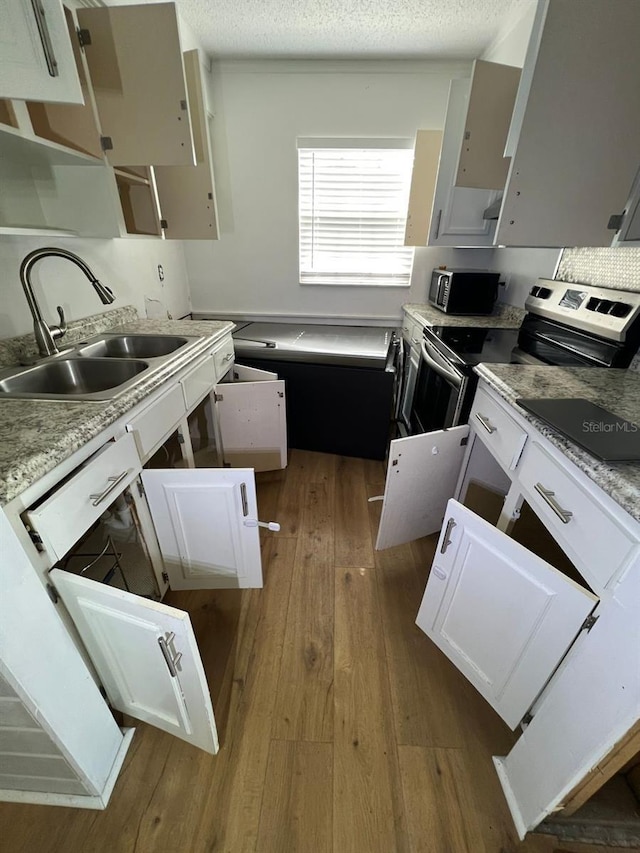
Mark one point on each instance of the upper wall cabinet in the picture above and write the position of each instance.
(135, 66)
(576, 126)
(441, 213)
(187, 193)
(36, 58)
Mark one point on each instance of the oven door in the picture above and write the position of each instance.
(439, 393)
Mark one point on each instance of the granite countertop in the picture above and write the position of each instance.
(36, 435)
(504, 317)
(618, 391)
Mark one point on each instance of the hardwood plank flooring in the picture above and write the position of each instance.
(342, 728)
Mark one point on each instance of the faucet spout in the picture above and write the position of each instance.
(46, 335)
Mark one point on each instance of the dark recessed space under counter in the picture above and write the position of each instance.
(340, 382)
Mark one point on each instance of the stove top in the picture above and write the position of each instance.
(470, 345)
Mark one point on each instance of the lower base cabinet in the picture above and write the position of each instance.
(502, 613)
(148, 510)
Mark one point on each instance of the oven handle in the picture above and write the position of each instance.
(442, 369)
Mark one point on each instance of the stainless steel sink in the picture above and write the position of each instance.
(133, 346)
(73, 378)
(101, 368)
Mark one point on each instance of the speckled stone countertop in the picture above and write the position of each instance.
(36, 435)
(504, 317)
(618, 391)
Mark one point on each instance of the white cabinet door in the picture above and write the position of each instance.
(135, 65)
(36, 57)
(501, 614)
(206, 524)
(251, 412)
(146, 656)
(457, 218)
(422, 473)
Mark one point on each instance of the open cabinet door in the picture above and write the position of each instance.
(500, 613)
(253, 421)
(146, 656)
(422, 473)
(206, 523)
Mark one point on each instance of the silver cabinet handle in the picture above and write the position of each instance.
(548, 497)
(228, 356)
(114, 482)
(43, 32)
(447, 535)
(486, 424)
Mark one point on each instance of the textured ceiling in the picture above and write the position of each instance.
(348, 29)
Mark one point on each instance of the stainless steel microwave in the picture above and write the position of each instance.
(464, 291)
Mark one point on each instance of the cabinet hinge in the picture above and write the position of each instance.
(180, 438)
(218, 397)
(210, 196)
(615, 222)
(140, 488)
(164, 224)
(527, 719)
(52, 593)
(106, 143)
(84, 37)
(280, 393)
(589, 622)
(183, 105)
(165, 577)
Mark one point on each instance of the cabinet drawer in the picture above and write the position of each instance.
(498, 431)
(411, 332)
(68, 511)
(156, 422)
(595, 539)
(223, 357)
(198, 382)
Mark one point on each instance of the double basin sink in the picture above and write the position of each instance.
(98, 369)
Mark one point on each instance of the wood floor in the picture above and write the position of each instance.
(343, 729)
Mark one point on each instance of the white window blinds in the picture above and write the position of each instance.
(352, 215)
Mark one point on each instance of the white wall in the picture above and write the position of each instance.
(129, 266)
(259, 111)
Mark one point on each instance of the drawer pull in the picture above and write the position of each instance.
(228, 356)
(549, 498)
(485, 423)
(114, 482)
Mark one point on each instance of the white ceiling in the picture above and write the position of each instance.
(348, 29)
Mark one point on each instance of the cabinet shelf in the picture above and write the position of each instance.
(37, 151)
(41, 231)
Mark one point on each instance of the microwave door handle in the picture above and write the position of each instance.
(439, 298)
(442, 370)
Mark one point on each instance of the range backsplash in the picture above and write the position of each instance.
(617, 268)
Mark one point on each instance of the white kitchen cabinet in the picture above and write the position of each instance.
(576, 125)
(36, 57)
(494, 606)
(457, 217)
(495, 603)
(187, 194)
(137, 113)
(251, 411)
(501, 614)
(137, 79)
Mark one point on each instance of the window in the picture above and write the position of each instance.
(353, 197)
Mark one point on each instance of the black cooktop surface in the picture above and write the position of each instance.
(471, 345)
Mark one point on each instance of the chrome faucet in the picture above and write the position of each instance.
(45, 335)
